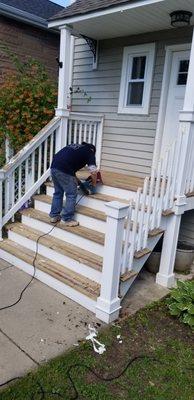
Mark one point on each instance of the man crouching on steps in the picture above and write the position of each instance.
(64, 166)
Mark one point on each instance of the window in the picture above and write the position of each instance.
(136, 79)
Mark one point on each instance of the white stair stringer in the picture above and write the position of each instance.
(137, 266)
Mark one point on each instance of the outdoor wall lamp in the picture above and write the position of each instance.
(180, 18)
(60, 64)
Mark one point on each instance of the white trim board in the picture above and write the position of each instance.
(70, 20)
(164, 94)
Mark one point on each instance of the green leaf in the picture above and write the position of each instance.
(188, 319)
(191, 309)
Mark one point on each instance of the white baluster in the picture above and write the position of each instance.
(142, 214)
(85, 131)
(134, 230)
(75, 132)
(149, 208)
(80, 132)
(127, 236)
(156, 195)
(90, 133)
(45, 155)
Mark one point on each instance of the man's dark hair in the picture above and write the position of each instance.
(90, 145)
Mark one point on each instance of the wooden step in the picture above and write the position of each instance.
(168, 212)
(90, 212)
(79, 230)
(115, 179)
(128, 275)
(66, 249)
(141, 253)
(63, 274)
(155, 232)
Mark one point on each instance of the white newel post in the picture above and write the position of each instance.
(108, 304)
(63, 87)
(165, 276)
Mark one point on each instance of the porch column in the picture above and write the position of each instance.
(63, 87)
(165, 277)
(186, 128)
(108, 304)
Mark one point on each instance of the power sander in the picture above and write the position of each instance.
(86, 185)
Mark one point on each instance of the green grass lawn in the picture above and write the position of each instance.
(166, 372)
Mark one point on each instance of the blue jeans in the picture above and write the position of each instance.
(63, 183)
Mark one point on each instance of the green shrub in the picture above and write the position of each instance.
(27, 101)
(181, 302)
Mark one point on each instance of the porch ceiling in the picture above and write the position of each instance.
(135, 18)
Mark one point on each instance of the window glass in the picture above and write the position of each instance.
(183, 72)
(138, 70)
(135, 93)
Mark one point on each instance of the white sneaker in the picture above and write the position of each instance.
(70, 223)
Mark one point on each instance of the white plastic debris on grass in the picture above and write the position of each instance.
(97, 346)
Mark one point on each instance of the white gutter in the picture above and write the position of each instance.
(20, 15)
(98, 13)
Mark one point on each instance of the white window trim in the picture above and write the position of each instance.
(147, 50)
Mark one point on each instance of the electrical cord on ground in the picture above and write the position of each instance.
(33, 264)
(43, 393)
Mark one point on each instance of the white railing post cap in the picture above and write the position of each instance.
(61, 112)
(116, 210)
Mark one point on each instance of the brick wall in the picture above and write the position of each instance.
(26, 40)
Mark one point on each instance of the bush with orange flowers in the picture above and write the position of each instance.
(27, 101)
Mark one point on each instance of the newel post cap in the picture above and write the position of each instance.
(116, 210)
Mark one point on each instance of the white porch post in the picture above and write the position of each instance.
(108, 304)
(165, 276)
(186, 125)
(63, 87)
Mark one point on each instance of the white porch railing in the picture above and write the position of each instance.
(23, 175)
(155, 198)
(87, 128)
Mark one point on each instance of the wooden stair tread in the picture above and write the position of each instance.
(90, 212)
(142, 253)
(60, 246)
(115, 179)
(168, 212)
(128, 275)
(76, 281)
(80, 230)
(155, 232)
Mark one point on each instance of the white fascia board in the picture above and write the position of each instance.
(95, 14)
(20, 15)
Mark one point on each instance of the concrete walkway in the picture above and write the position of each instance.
(45, 324)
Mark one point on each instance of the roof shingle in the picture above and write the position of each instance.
(80, 7)
(42, 8)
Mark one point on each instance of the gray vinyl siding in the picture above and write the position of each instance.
(186, 233)
(128, 140)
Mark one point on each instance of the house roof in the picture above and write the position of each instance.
(42, 8)
(80, 7)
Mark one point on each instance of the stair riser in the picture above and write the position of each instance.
(108, 190)
(61, 287)
(89, 222)
(68, 237)
(44, 251)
